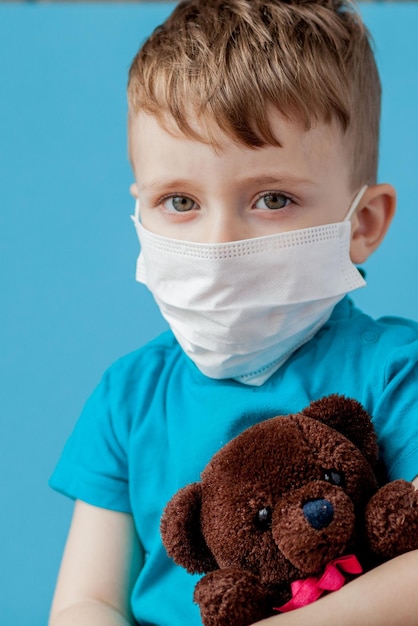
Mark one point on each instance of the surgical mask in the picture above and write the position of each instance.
(240, 309)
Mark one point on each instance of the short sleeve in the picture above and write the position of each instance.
(93, 466)
(396, 413)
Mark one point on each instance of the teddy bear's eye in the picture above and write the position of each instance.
(264, 518)
(334, 478)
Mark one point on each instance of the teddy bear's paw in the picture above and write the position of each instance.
(392, 519)
(231, 597)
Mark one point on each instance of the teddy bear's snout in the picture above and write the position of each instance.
(313, 525)
(319, 513)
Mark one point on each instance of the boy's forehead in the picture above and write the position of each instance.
(157, 146)
(143, 124)
(285, 129)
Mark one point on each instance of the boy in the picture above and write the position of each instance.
(253, 131)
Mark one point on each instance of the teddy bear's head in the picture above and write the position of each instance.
(282, 499)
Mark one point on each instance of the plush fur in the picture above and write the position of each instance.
(279, 502)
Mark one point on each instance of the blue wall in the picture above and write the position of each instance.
(70, 305)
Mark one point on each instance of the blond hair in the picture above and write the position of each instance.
(229, 61)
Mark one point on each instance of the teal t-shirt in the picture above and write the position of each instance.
(154, 421)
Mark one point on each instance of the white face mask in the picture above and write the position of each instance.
(240, 309)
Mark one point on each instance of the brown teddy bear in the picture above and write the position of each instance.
(287, 511)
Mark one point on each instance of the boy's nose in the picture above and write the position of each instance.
(224, 230)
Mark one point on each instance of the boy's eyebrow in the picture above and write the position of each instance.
(282, 179)
(163, 183)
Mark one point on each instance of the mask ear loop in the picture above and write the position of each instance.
(136, 217)
(355, 203)
(140, 274)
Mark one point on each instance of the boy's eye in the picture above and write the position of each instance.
(272, 201)
(181, 204)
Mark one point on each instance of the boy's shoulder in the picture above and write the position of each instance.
(379, 343)
(392, 328)
(155, 354)
(133, 379)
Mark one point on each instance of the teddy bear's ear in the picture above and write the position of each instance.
(348, 417)
(181, 531)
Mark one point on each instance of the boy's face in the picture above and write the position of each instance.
(190, 191)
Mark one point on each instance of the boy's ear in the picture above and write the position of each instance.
(133, 190)
(371, 221)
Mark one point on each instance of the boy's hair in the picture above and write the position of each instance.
(229, 61)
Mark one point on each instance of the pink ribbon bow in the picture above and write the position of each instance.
(308, 590)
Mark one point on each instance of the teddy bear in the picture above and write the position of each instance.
(286, 511)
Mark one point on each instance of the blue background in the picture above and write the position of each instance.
(70, 304)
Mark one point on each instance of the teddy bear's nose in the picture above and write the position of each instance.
(319, 513)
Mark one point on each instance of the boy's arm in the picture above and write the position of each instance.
(100, 564)
(385, 596)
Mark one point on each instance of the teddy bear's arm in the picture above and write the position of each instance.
(392, 520)
(232, 597)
